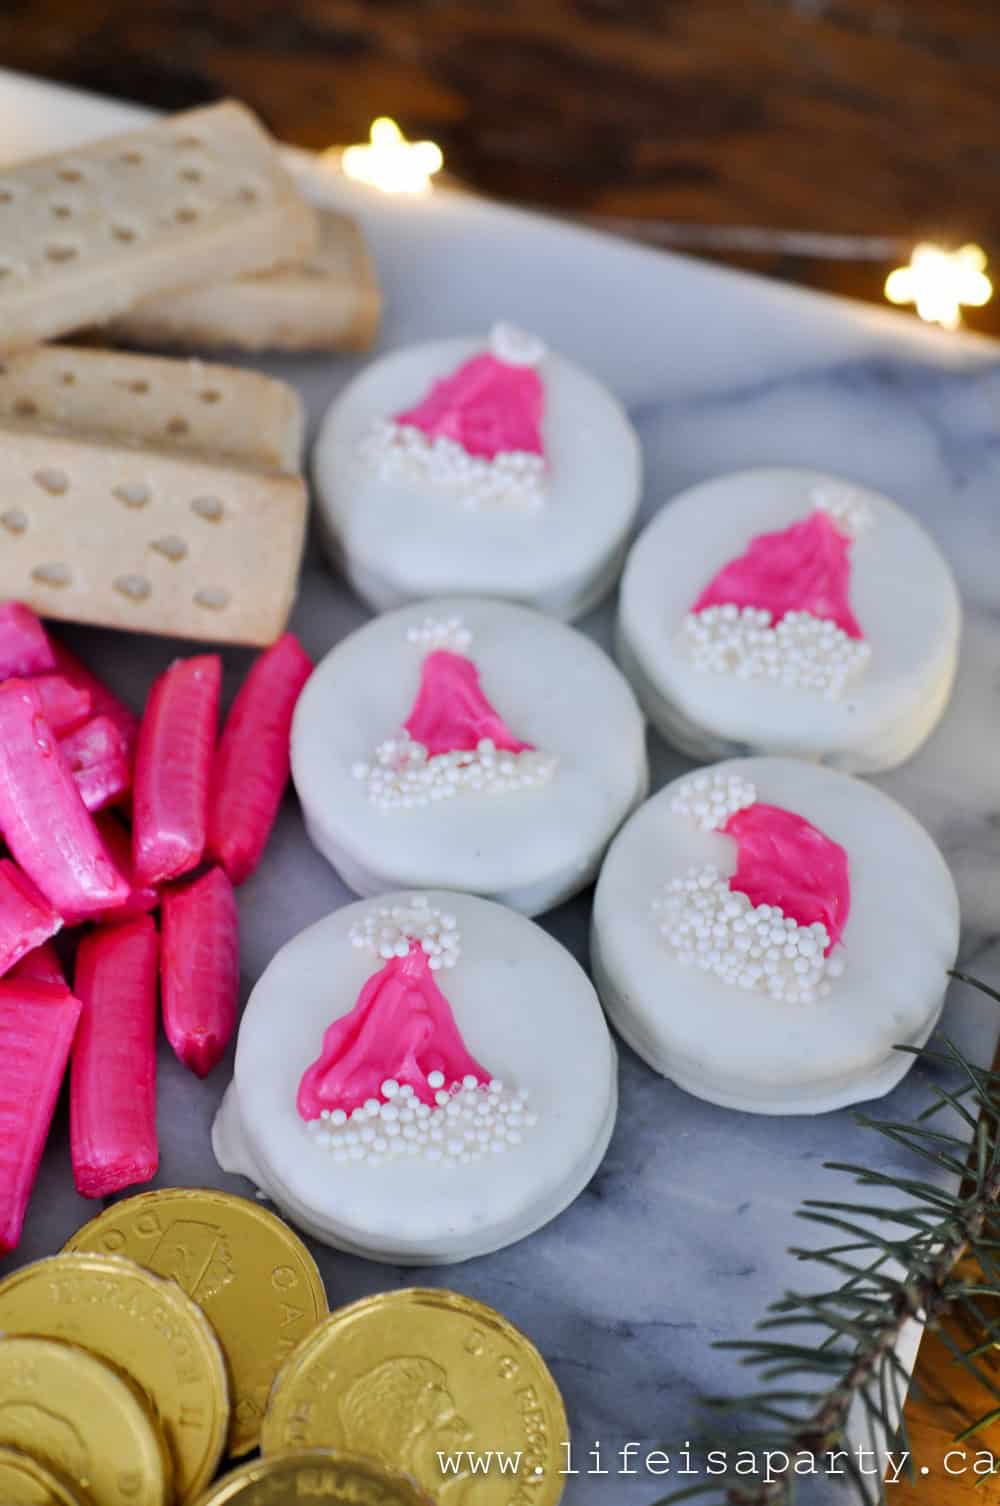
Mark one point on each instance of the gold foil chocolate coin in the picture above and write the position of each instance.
(142, 1325)
(431, 1383)
(254, 1278)
(25, 1482)
(316, 1475)
(83, 1422)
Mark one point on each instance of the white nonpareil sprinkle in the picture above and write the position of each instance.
(712, 927)
(402, 452)
(845, 505)
(387, 931)
(802, 652)
(402, 774)
(709, 799)
(469, 1121)
(440, 632)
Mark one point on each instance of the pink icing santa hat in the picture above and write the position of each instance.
(478, 431)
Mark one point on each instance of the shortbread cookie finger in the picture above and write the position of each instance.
(331, 302)
(150, 494)
(85, 235)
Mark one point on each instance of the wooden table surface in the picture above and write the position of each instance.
(849, 117)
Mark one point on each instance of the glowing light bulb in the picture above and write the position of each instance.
(389, 162)
(940, 283)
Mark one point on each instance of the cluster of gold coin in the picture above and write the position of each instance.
(179, 1328)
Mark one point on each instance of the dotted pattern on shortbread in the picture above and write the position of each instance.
(716, 929)
(709, 799)
(107, 200)
(135, 490)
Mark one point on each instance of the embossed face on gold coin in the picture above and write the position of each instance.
(142, 1325)
(432, 1383)
(26, 1482)
(83, 1421)
(254, 1278)
(316, 1475)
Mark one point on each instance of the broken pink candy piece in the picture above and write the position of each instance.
(488, 407)
(103, 701)
(401, 1030)
(113, 1073)
(26, 917)
(64, 705)
(804, 568)
(24, 645)
(100, 761)
(786, 861)
(42, 817)
(37, 1024)
(40, 966)
(451, 713)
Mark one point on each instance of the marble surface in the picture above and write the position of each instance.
(681, 1238)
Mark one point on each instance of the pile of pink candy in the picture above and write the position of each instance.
(74, 763)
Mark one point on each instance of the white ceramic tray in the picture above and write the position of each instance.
(681, 1237)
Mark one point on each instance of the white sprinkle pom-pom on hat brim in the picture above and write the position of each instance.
(402, 452)
(802, 652)
(403, 776)
(469, 1120)
(708, 925)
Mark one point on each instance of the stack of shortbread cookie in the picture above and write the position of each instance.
(148, 492)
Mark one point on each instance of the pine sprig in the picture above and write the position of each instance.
(827, 1359)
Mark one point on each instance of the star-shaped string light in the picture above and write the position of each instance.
(389, 162)
(940, 283)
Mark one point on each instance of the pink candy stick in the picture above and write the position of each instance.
(26, 917)
(37, 1024)
(63, 705)
(103, 701)
(113, 1073)
(173, 766)
(252, 762)
(40, 966)
(100, 761)
(25, 648)
(43, 819)
(118, 841)
(200, 969)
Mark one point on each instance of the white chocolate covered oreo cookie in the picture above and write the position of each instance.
(468, 745)
(786, 612)
(490, 467)
(420, 1080)
(767, 931)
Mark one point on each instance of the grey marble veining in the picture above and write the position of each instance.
(681, 1238)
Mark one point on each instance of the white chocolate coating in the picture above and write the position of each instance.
(530, 848)
(397, 541)
(744, 1049)
(902, 593)
(525, 1009)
